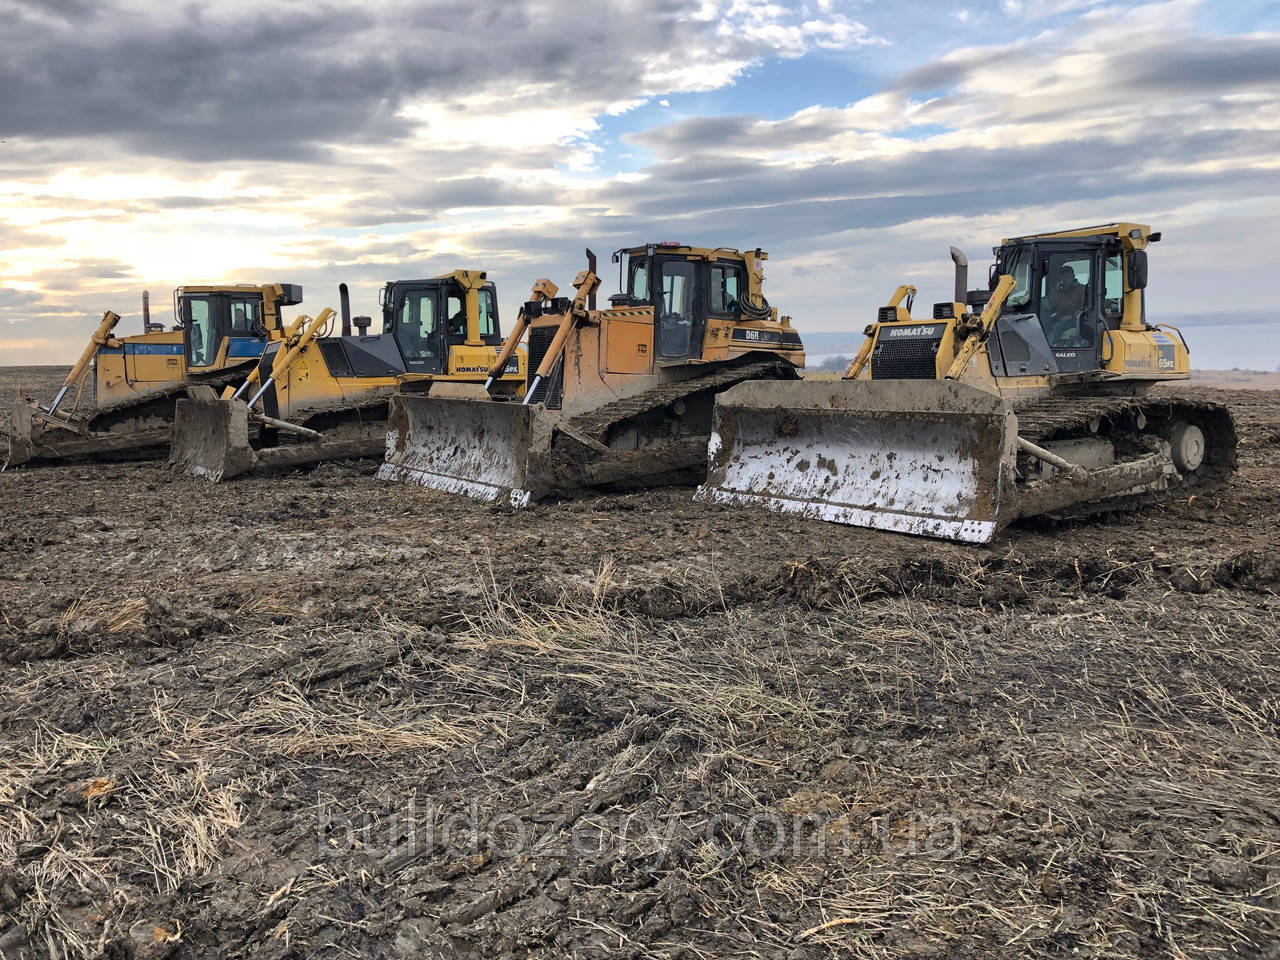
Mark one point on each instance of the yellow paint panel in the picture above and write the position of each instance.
(1145, 354)
(149, 368)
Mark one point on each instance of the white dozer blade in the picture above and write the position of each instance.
(926, 457)
(485, 449)
(210, 436)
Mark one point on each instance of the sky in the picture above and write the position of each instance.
(146, 145)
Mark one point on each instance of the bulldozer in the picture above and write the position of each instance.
(119, 397)
(616, 397)
(315, 397)
(1032, 397)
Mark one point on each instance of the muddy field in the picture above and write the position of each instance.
(317, 715)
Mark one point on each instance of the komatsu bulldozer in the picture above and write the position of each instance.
(315, 397)
(953, 426)
(119, 396)
(617, 397)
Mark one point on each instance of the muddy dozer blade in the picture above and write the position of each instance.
(36, 437)
(21, 442)
(486, 449)
(915, 456)
(210, 436)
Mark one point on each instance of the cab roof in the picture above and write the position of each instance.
(708, 253)
(1134, 236)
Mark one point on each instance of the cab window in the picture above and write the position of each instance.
(416, 325)
(726, 287)
(202, 336)
(1020, 296)
(245, 316)
(639, 286)
(488, 313)
(1064, 300)
(1113, 288)
(677, 288)
(455, 314)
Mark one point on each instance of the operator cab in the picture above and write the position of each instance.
(1067, 292)
(426, 317)
(685, 288)
(209, 316)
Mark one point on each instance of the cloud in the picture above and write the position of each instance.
(152, 146)
(274, 80)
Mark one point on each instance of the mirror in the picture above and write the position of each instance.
(1137, 270)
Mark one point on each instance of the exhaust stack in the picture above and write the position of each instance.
(345, 302)
(146, 311)
(591, 265)
(962, 274)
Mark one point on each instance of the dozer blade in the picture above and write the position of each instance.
(486, 449)
(210, 436)
(21, 442)
(33, 436)
(915, 456)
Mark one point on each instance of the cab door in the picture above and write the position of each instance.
(1069, 304)
(679, 321)
(418, 325)
(205, 322)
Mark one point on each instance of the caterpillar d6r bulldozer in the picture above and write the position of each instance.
(1041, 402)
(314, 397)
(119, 397)
(619, 397)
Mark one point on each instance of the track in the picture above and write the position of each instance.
(598, 423)
(1056, 418)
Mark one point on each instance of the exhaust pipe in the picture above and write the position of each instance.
(146, 311)
(962, 274)
(591, 265)
(345, 299)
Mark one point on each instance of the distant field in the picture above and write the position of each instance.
(1237, 379)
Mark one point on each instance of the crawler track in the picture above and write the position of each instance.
(600, 422)
(1117, 418)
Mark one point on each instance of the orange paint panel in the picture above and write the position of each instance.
(629, 346)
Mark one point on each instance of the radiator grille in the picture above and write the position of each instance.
(551, 390)
(907, 353)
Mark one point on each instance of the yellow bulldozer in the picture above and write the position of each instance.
(315, 397)
(615, 397)
(1041, 402)
(119, 397)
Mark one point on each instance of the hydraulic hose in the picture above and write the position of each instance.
(755, 309)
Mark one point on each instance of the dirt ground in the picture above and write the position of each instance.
(318, 715)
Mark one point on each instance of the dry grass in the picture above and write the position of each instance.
(1109, 770)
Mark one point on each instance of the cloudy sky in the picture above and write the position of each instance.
(143, 145)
